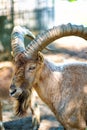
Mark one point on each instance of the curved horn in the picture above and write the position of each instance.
(42, 40)
(17, 39)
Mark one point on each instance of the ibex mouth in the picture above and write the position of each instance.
(13, 92)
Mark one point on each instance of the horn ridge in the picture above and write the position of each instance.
(17, 39)
(44, 39)
(17, 42)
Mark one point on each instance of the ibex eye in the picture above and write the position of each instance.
(32, 68)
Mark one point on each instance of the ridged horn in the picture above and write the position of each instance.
(17, 39)
(42, 40)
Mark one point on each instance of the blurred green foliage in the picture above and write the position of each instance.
(72, 0)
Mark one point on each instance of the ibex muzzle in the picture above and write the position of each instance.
(15, 91)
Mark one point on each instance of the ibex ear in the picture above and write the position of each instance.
(12, 54)
(40, 57)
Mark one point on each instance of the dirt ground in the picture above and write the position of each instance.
(66, 50)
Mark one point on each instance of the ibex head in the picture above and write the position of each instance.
(29, 61)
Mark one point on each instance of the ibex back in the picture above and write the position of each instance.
(63, 87)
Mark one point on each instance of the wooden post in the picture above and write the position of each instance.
(0, 111)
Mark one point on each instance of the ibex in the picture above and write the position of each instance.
(6, 70)
(63, 87)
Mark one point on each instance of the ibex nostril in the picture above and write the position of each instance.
(12, 86)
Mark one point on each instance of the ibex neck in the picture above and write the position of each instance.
(48, 84)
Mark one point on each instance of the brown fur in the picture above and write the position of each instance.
(5, 80)
(6, 71)
(62, 87)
